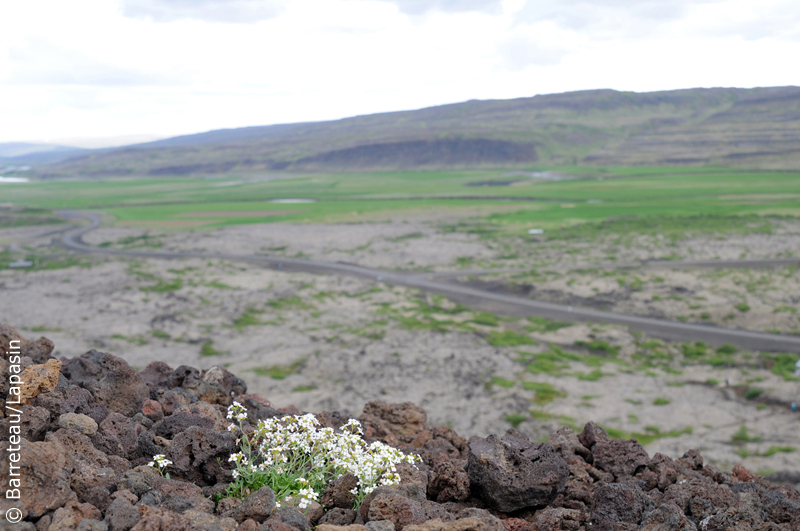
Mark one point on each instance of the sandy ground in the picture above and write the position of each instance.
(330, 343)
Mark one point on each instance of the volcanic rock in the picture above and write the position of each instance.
(39, 379)
(511, 473)
(110, 379)
(38, 350)
(79, 422)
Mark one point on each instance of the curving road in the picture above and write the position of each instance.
(485, 300)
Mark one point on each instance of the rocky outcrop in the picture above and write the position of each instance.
(92, 424)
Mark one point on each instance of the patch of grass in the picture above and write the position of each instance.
(138, 340)
(592, 376)
(279, 372)
(772, 450)
(554, 361)
(712, 381)
(694, 351)
(545, 392)
(464, 261)
(661, 401)
(500, 382)
(753, 393)
(540, 324)
(218, 285)
(208, 349)
(672, 227)
(508, 338)
(412, 236)
(783, 364)
(742, 452)
(515, 419)
(599, 345)
(651, 433)
(249, 317)
(485, 318)
(304, 388)
(44, 329)
(289, 302)
(634, 402)
(742, 307)
(541, 415)
(727, 349)
(742, 436)
(159, 334)
(145, 240)
(789, 309)
(164, 286)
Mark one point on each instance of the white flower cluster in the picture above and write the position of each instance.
(160, 462)
(295, 451)
(307, 495)
(238, 412)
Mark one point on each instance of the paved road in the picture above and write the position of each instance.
(496, 302)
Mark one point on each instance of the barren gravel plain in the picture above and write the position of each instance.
(334, 343)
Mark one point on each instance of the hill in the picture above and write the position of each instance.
(721, 126)
(22, 153)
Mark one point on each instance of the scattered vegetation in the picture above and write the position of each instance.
(651, 433)
(545, 393)
(279, 372)
(783, 365)
(208, 349)
(540, 324)
(138, 340)
(515, 419)
(249, 317)
(500, 382)
(742, 436)
(753, 393)
(508, 338)
(599, 345)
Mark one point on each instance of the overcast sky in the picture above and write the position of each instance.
(96, 68)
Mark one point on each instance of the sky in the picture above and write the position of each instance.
(106, 68)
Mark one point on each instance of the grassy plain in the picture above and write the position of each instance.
(633, 199)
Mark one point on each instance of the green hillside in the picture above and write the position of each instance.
(723, 127)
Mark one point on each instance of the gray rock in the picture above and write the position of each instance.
(380, 525)
(92, 525)
(667, 517)
(78, 422)
(121, 515)
(257, 506)
(291, 516)
(512, 473)
(340, 516)
(619, 503)
(620, 457)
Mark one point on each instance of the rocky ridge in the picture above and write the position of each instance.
(90, 425)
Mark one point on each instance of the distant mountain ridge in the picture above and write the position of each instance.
(727, 126)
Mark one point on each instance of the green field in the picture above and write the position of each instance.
(591, 199)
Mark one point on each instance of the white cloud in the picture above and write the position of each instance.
(532, 46)
(231, 11)
(40, 61)
(419, 7)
